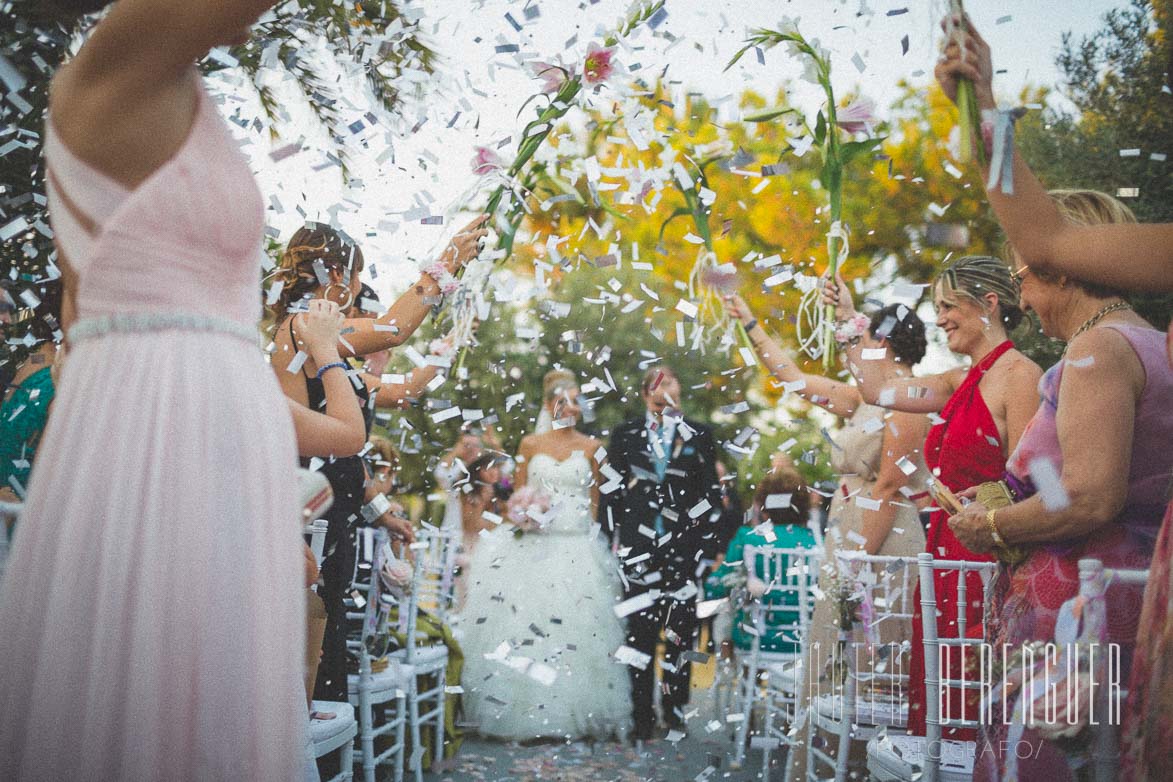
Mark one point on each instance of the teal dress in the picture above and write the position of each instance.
(787, 536)
(22, 419)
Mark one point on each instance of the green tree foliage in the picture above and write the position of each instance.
(373, 37)
(588, 321)
(1118, 80)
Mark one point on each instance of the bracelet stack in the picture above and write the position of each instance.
(444, 278)
(993, 527)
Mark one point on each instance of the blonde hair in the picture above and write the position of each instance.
(973, 276)
(556, 381)
(1089, 207)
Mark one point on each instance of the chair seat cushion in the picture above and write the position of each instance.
(426, 657)
(322, 731)
(894, 757)
(384, 684)
(870, 709)
(784, 676)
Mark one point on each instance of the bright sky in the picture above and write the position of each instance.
(432, 165)
(428, 171)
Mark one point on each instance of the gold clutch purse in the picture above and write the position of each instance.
(994, 495)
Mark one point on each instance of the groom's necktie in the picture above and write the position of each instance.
(660, 457)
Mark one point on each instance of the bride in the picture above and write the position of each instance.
(540, 630)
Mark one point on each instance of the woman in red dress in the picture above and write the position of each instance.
(978, 415)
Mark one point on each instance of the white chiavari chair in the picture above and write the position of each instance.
(872, 652)
(897, 758)
(783, 613)
(380, 696)
(437, 588)
(1094, 582)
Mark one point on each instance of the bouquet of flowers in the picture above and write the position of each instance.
(708, 281)
(396, 575)
(512, 181)
(832, 134)
(525, 509)
(561, 87)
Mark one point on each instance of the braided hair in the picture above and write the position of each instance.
(973, 276)
(313, 252)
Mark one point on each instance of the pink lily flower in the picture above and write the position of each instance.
(597, 67)
(858, 116)
(552, 76)
(486, 161)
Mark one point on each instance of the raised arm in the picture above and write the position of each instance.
(831, 395)
(400, 395)
(340, 430)
(363, 336)
(144, 44)
(1129, 256)
(881, 383)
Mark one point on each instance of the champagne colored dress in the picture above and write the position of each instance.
(856, 456)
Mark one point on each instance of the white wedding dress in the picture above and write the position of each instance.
(539, 627)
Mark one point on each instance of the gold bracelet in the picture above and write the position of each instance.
(998, 539)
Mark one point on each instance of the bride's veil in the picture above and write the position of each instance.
(545, 422)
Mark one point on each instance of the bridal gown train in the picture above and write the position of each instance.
(152, 622)
(540, 626)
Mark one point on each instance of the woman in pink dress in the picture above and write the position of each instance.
(1126, 256)
(1098, 492)
(150, 621)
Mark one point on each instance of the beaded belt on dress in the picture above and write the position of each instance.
(147, 322)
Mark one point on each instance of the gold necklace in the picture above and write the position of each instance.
(1100, 314)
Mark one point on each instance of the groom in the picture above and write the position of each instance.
(657, 516)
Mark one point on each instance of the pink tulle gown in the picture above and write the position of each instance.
(150, 623)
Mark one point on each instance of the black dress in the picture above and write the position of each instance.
(347, 479)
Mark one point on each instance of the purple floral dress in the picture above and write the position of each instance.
(1026, 600)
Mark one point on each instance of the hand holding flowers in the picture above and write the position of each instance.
(836, 152)
(526, 507)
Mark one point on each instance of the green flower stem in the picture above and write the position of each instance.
(834, 168)
(741, 332)
(970, 123)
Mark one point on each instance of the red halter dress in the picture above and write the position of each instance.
(962, 451)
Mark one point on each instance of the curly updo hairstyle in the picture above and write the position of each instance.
(903, 329)
(973, 276)
(313, 252)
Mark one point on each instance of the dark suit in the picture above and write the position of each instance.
(668, 562)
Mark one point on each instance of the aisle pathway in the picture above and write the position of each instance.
(704, 755)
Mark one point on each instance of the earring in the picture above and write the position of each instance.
(349, 295)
